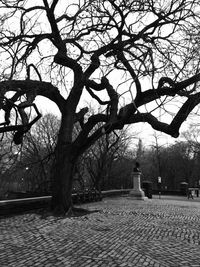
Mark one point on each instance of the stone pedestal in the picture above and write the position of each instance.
(137, 192)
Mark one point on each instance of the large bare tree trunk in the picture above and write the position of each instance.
(62, 178)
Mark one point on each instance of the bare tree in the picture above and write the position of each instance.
(132, 57)
(30, 162)
(99, 159)
(8, 159)
(191, 137)
(37, 153)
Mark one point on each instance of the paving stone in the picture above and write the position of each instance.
(124, 232)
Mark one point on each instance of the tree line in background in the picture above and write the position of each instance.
(174, 163)
(107, 165)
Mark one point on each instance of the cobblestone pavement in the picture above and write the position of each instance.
(124, 232)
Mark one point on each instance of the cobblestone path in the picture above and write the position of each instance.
(123, 232)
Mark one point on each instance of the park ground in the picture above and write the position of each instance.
(118, 231)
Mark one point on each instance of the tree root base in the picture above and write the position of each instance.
(72, 212)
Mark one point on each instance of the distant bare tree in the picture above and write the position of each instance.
(99, 159)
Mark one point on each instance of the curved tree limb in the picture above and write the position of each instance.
(40, 88)
(173, 127)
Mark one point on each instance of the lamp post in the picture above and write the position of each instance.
(159, 186)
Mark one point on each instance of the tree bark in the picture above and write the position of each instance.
(62, 179)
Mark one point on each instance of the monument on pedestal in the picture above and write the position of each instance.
(137, 192)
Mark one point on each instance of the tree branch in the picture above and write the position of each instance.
(38, 87)
(113, 100)
(172, 128)
(171, 90)
(131, 71)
